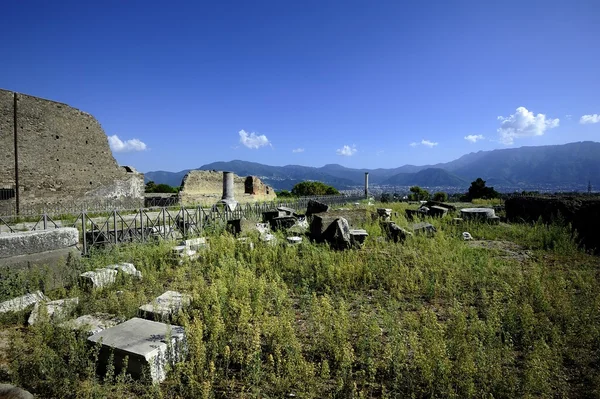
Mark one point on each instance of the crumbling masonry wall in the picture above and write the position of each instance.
(62, 155)
(206, 187)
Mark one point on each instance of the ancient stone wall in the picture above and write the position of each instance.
(63, 154)
(206, 187)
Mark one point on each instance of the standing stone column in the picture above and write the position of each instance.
(366, 184)
(228, 198)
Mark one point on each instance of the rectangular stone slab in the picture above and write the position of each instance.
(31, 242)
(165, 305)
(145, 343)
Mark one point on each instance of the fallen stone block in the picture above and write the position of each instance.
(271, 214)
(282, 222)
(92, 323)
(98, 278)
(358, 237)
(22, 302)
(411, 214)
(457, 220)
(32, 242)
(149, 345)
(424, 228)
(477, 214)
(164, 306)
(494, 220)
(285, 211)
(294, 240)
(195, 244)
(316, 207)
(437, 211)
(467, 236)
(182, 252)
(55, 310)
(127, 268)
(394, 232)
(384, 213)
(337, 234)
(441, 204)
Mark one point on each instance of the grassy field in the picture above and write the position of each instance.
(431, 317)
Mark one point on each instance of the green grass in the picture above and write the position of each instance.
(431, 317)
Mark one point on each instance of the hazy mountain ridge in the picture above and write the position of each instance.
(558, 165)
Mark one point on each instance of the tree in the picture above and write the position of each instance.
(418, 194)
(440, 196)
(284, 194)
(478, 189)
(386, 197)
(152, 187)
(307, 188)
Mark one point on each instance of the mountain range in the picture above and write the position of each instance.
(554, 166)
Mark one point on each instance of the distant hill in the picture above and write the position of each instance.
(430, 177)
(552, 166)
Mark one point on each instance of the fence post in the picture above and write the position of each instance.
(45, 219)
(83, 231)
(142, 224)
(115, 225)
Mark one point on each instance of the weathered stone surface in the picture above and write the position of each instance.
(22, 302)
(282, 222)
(441, 204)
(93, 323)
(337, 234)
(395, 232)
(9, 391)
(316, 207)
(467, 236)
(195, 244)
(356, 218)
(55, 310)
(64, 156)
(206, 187)
(437, 211)
(286, 211)
(294, 240)
(126, 268)
(271, 214)
(31, 242)
(358, 237)
(477, 213)
(145, 343)
(182, 252)
(165, 305)
(424, 228)
(384, 213)
(98, 278)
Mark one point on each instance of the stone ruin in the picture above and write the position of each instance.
(211, 187)
(52, 154)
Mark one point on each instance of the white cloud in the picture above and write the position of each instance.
(473, 138)
(414, 144)
(523, 123)
(298, 150)
(588, 119)
(346, 150)
(428, 143)
(118, 145)
(253, 140)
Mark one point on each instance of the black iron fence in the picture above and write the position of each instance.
(116, 226)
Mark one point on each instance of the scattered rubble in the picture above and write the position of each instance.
(395, 232)
(316, 207)
(22, 302)
(55, 310)
(424, 228)
(92, 323)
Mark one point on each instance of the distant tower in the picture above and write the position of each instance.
(589, 186)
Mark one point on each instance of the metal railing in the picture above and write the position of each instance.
(142, 224)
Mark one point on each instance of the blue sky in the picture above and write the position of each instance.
(370, 84)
